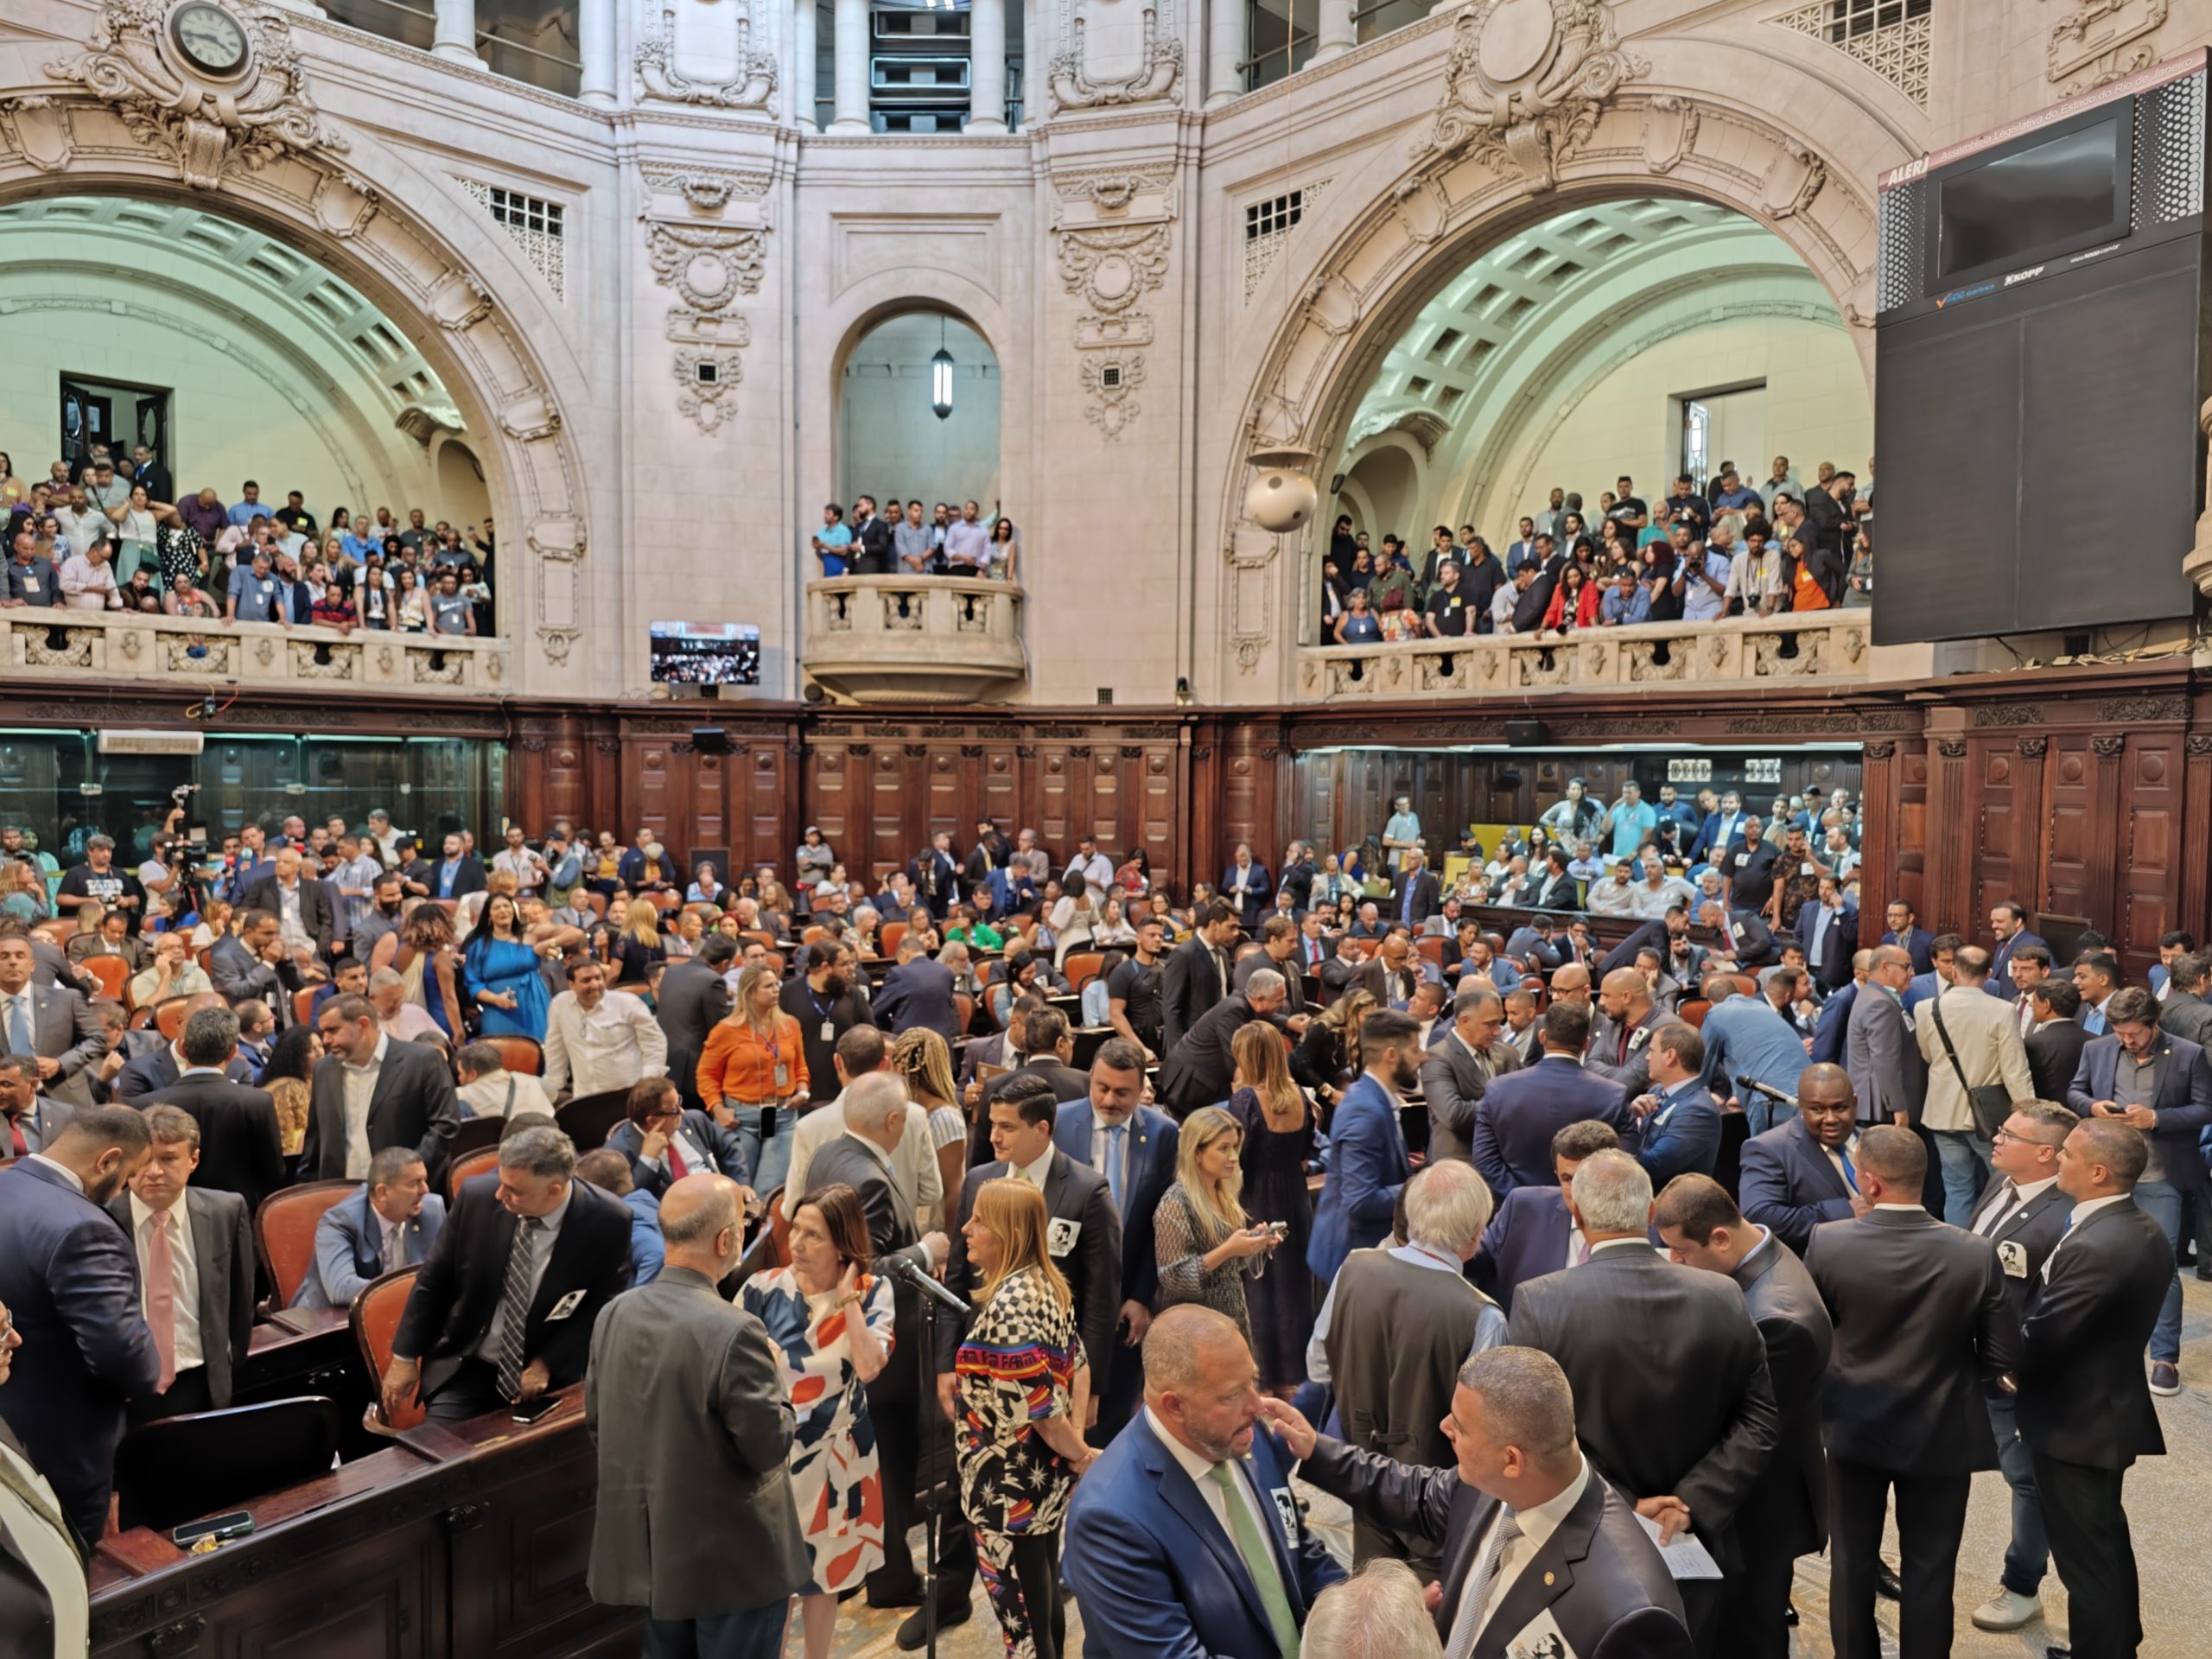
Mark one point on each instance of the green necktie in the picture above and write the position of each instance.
(1259, 1559)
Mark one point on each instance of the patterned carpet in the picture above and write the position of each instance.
(2166, 1498)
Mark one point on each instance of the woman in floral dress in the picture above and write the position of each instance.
(833, 1322)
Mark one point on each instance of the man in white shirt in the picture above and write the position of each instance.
(597, 1039)
(913, 1162)
(1616, 894)
(489, 1090)
(1658, 892)
(1091, 867)
(516, 858)
(49, 1582)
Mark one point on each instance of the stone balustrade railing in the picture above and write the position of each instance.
(913, 639)
(1826, 645)
(55, 645)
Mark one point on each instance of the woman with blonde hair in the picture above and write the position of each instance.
(1024, 1385)
(1204, 1242)
(1327, 1057)
(638, 944)
(1279, 1126)
(924, 1060)
(752, 1075)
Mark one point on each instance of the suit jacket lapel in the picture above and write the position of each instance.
(209, 1255)
(1547, 1575)
(1182, 1496)
(1839, 1188)
(1459, 1553)
(2023, 1213)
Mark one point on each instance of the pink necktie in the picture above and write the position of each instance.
(161, 1298)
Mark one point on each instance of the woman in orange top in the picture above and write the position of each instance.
(752, 1075)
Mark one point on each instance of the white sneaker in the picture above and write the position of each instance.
(2007, 1612)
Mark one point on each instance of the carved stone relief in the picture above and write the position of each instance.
(722, 33)
(706, 237)
(2100, 41)
(1157, 66)
(1112, 231)
(1110, 383)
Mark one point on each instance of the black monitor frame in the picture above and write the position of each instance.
(2117, 226)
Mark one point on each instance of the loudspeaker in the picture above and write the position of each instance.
(1507, 779)
(710, 739)
(1525, 733)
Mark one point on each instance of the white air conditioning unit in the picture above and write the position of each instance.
(153, 742)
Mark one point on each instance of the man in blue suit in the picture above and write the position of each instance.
(1805, 1173)
(1943, 955)
(392, 1223)
(1532, 1233)
(2008, 923)
(2162, 1086)
(1184, 1538)
(1828, 928)
(69, 1277)
(1510, 1139)
(1132, 1146)
(1832, 1032)
(1367, 1164)
(1680, 1125)
(1747, 1036)
(1719, 831)
(1246, 885)
(1906, 933)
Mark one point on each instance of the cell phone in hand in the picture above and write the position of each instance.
(529, 1411)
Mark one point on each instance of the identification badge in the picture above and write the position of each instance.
(30, 584)
(2013, 1256)
(1638, 1038)
(1804, 869)
(1287, 1512)
(783, 1076)
(568, 1304)
(1540, 1638)
(1742, 859)
(1061, 1235)
(829, 1035)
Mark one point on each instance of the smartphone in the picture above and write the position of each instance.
(235, 1524)
(529, 1411)
(767, 1125)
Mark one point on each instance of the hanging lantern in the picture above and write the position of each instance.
(941, 376)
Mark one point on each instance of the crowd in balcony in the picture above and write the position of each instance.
(1701, 553)
(107, 534)
(947, 541)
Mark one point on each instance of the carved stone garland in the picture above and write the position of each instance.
(753, 88)
(1112, 232)
(709, 258)
(1160, 63)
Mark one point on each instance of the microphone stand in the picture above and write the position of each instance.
(933, 1464)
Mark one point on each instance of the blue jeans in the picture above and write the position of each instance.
(2161, 1201)
(1761, 1114)
(769, 1161)
(2027, 1558)
(756, 1633)
(1964, 1157)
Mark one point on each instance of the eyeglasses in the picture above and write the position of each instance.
(2021, 1141)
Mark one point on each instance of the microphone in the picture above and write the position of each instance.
(1746, 1080)
(902, 1266)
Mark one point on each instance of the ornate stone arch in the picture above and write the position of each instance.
(128, 115)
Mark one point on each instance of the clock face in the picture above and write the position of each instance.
(210, 38)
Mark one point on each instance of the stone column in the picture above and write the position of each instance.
(1036, 63)
(452, 32)
(852, 67)
(1338, 33)
(987, 67)
(1224, 51)
(806, 64)
(595, 46)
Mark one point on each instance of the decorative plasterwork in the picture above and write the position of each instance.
(705, 377)
(1160, 63)
(708, 266)
(2102, 39)
(209, 128)
(706, 237)
(1112, 407)
(1260, 250)
(1525, 83)
(1898, 51)
(705, 189)
(543, 246)
(755, 85)
(1112, 229)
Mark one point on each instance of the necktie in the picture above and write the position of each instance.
(676, 1168)
(21, 1146)
(514, 1307)
(2010, 1203)
(19, 1041)
(391, 1246)
(1116, 1137)
(160, 1296)
(1850, 1175)
(1467, 1623)
(1259, 1559)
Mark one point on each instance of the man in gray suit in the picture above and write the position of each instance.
(685, 1397)
(196, 1267)
(2184, 1013)
(1458, 1069)
(53, 1026)
(1879, 1053)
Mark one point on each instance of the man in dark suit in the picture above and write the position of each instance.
(503, 1309)
(1678, 1124)
(663, 1143)
(163, 1065)
(1804, 1173)
(2084, 1409)
(1595, 1586)
(871, 555)
(1832, 1031)
(241, 1145)
(2161, 1086)
(2054, 1038)
(1369, 1162)
(1922, 1322)
(27, 1119)
(1391, 973)
(1744, 939)
(456, 871)
(70, 1282)
(1197, 973)
(1417, 897)
(1246, 885)
(2023, 1213)
(1905, 931)
(194, 1247)
(1046, 1046)
(692, 1000)
(249, 965)
(2182, 1012)
(1084, 1236)
(1185, 1537)
(1785, 1514)
(1663, 936)
(1134, 1147)
(916, 995)
(1511, 1137)
(369, 1093)
(1460, 1066)
(1880, 1055)
(1534, 1231)
(1827, 928)
(2008, 922)
(1279, 951)
(289, 894)
(54, 1026)
(1199, 1069)
(876, 1109)
(1671, 1394)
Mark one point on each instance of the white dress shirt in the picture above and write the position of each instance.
(1836, 1163)
(63, 1170)
(2083, 1211)
(1537, 1524)
(1986, 1222)
(1033, 1173)
(360, 1090)
(612, 1046)
(185, 1266)
(541, 1252)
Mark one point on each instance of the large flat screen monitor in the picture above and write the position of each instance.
(2067, 193)
(705, 653)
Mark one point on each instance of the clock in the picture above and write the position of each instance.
(212, 40)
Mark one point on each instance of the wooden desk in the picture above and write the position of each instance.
(463, 1543)
(322, 1359)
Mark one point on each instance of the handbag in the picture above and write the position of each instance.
(1991, 1103)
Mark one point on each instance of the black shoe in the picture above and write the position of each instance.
(2203, 1271)
(909, 1595)
(1886, 1584)
(915, 1632)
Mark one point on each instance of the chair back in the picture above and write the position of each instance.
(375, 1321)
(1081, 967)
(664, 902)
(168, 1471)
(303, 1004)
(1693, 1013)
(963, 1010)
(814, 935)
(520, 1053)
(888, 937)
(779, 1228)
(1744, 983)
(1431, 947)
(595, 902)
(589, 1120)
(473, 1134)
(283, 1231)
(112, 974)
(482, 1161)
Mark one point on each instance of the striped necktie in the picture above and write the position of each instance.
(1467, 1623)
(514, 1306)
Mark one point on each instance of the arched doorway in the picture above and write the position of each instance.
(917, 413)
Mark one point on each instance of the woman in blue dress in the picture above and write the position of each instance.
(500, 970)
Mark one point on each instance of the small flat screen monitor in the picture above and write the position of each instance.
(2056, 197)
(705, 653)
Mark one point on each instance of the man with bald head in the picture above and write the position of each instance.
(1620, 1037)
(1833, 1029)
(299, 901)
(1879, 1052)
(1805, 1173)
(1185, 1537)
(1749, 1036)
(1572, 984)
(685, 1398)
